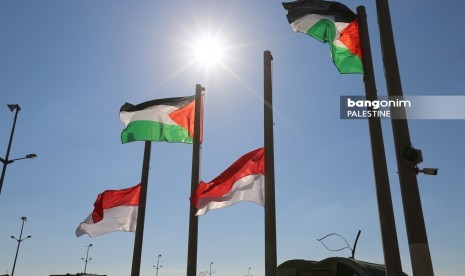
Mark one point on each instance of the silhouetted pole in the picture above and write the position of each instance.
(195, 179)
(210, 273)
(5, 163)
(406, 165)
(355, 244)
(87, 258)
(157, 267)
(383, 190)
(24, 219)
(137, 254)
(270, 208)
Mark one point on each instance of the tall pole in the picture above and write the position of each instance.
(157, 267)
(87, 258)
(383, 190)
(137, 254)
(210, 273)
(24, 219)
(270, 208)
(5, 163)
(195, 178)
(414, 221)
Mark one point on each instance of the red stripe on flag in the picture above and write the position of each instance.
(350, 38)
(114, 198)
(185, 118)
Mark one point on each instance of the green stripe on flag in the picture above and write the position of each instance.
(345, 61)
(155, 131)
(325, 31)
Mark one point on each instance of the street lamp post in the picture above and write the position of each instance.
(157, 267)
(87, 258)
(248, 272)
(24, 219)
(6, 161)
(210, 272)
(407, 157)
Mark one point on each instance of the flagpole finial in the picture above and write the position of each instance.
(200, 87)
(267, 53)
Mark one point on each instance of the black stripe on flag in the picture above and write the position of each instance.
(301, 8)
(178, 102)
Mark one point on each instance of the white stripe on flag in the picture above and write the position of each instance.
(249, 188)
(120, 218)
(158, 113)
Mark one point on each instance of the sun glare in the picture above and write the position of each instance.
(208, 51)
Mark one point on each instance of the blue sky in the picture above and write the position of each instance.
(70, 65)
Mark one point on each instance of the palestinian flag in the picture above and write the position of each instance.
(244, 180)
(170, 120)
(114, 210)
(330, 22)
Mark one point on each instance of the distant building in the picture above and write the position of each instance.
(78, 274)
(334, 266)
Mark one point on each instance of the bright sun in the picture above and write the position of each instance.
(208, 51)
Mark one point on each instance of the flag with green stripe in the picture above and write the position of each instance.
(330, 22)
(169, 120)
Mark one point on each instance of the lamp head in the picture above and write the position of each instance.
(12, 107)
(31, 156)
(428, 171)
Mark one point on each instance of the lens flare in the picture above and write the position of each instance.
(208, 51)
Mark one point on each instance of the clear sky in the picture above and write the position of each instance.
(70, 65)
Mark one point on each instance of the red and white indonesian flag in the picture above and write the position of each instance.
(114, 210)
(242, 181)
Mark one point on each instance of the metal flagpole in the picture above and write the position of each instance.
(407, 156)
(136, 257)
(270, 208)
(383, 191)
(193, 219)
